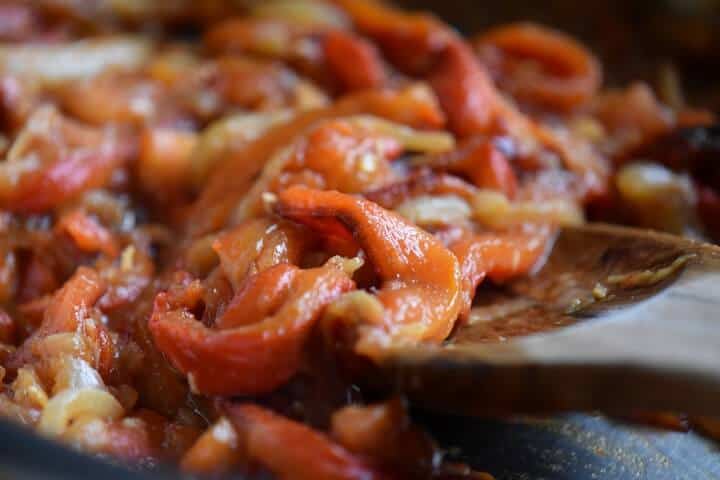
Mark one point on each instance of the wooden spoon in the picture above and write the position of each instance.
(643, 311)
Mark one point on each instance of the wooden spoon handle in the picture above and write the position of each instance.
(660, 352)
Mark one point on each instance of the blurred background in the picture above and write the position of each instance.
(635, 39)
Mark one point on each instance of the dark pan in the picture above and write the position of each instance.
(633, 38)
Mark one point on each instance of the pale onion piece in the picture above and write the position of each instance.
(12, 171)
(411, 139)
(269, 200)
(435, 210)
(302, 12)
(44, 119)
(127, 258)
(588, 128)
(646, 181)
(69, 405)
(308, 96)
(59, 344)
(346, 265)
(224, 432)
(76, 60)
(27, 389)
(559, 212)
(230, 133)
(74, 374)
(657, 197)
(356, 308)
(11, 410)
(494, 210)
(85, 431)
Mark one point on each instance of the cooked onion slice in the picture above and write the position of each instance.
(69, 405)
(72, 61)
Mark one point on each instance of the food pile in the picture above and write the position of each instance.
(215, 215)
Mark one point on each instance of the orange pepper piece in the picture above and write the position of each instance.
(249, 358)
(87, 233)
(421, 182)
(421, 45)
(570, 74)
(420, 289)
(56, 159)
(292, 450)
(499, 256)
(384, 432)
(258, 244)
(465, 90)
(164, 161)
(424, 46)
(354, 61)
(344, 156)
(482, 162)
(69, 311)
(234, 177)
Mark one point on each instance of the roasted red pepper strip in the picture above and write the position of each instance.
(421, 182)
(499, 256)
(292, 450)
(258, 297)
(385, 432)
(216, 452)
(421, 45)
(463, 85)
(235, 175)
(87, 233)
(257, 36)
(55, 159)
(69, 311)
(410, 40)
(492, 169)
(354, 61)
(465, 91)
(251, 357)
(345, 156)
(420, 278)
(257, 245)
(480, 161)
(331, 155)
(72, 302)
(571, 74)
